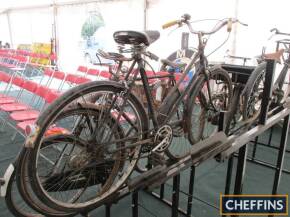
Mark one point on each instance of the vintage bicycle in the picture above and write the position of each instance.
(247, 98)
(91, 154)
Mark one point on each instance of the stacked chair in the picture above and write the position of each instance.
(22, 99)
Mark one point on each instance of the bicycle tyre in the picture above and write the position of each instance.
(13, 203)
(51, 112)
(222, 75)
(252, 87)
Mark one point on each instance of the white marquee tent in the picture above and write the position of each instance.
(30, 21)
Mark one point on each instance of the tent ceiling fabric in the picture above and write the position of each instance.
(4, 4)
(18, 4)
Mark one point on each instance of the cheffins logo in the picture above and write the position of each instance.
(254, 205)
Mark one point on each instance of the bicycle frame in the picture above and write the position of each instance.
(168, 101)
(282, 75)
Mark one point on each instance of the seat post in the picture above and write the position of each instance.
(141, 69)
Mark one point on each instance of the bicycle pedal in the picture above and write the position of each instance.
(157, 159)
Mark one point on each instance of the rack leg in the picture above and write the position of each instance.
(135, 204)
(255, 148)
(270, 136)
(229, 174)
(175, 196)
(267, 91)
(281, 155)
(162, 191)
(190, 191)
(241, 169)
(108, 210)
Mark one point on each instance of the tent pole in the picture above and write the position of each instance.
(9, 29)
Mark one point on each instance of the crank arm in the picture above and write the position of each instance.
(133, 145)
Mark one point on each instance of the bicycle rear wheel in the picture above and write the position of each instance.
(94, 152)
(24, 205)
(15, 202)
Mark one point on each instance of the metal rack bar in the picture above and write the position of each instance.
(204, 150)
(272, 146)
(253, 133)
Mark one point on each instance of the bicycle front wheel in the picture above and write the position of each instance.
(208, 99)
(252, 97)
(92, 151)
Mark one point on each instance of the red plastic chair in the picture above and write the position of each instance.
(105, 74)
(76, 79)
(93, 72)
(82, 69)
(71, 78)
(27, 118)
(30, 86)
(59, 75)
(48, 95)
(17, 81)
(82, 80)
(48, 72)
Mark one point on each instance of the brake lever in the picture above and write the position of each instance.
(244, 24)
(186, 17)
(274, 29)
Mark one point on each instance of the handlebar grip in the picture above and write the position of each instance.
(169, 24)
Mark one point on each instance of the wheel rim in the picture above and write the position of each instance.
(113, 185)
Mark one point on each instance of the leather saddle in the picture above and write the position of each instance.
(274, 56)
(136, 38)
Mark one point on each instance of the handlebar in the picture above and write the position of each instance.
(185, 20)
(277, 32)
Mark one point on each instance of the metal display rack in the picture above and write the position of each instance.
(218, 145)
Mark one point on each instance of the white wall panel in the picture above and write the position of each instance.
(162, 11)
(116, 15)
(30, 26)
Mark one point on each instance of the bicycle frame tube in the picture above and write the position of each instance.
(147, 92)
(282, 75)
(187, 90)
(201, 70)
(186, 71)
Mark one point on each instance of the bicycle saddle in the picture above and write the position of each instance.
(136, 38)
(274, 56)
